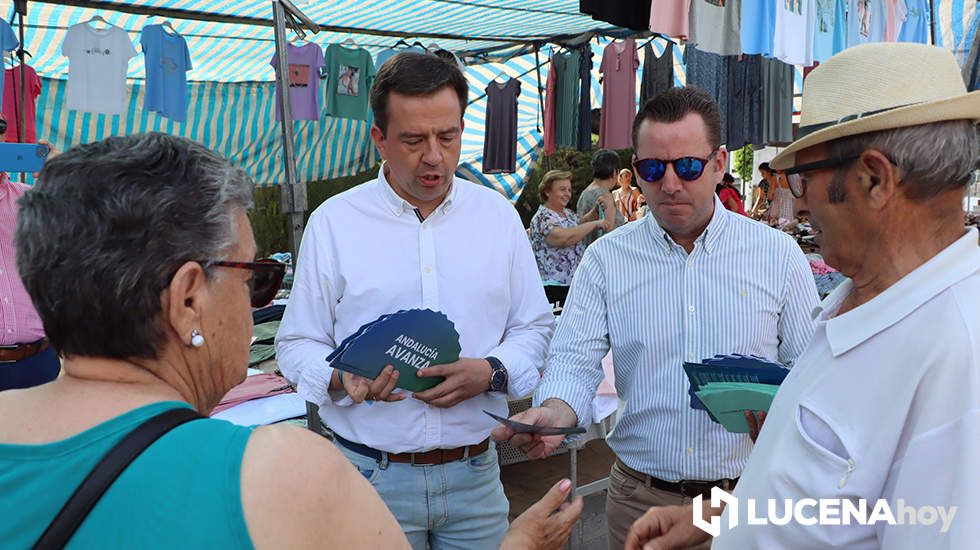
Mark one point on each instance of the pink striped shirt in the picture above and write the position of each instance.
(19, 323)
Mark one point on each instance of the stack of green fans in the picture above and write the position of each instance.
(727, 402)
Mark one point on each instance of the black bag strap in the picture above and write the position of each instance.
(87, 495)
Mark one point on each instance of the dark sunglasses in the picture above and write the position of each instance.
(686, 168)
(267, 275)
(797, 185)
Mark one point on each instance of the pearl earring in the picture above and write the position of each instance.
(196, 339)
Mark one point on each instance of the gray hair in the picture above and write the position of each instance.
(934, 158)
(106, 227)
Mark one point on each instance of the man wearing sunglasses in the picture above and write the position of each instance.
(688, 282)
(883, 407)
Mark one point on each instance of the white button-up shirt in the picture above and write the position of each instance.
(744, 288)
(366, 253)
(883, 404)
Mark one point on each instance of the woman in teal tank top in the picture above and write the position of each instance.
(137, 254)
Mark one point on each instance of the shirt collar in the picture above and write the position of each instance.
(399, 206)
(708, 238)
(845, 332)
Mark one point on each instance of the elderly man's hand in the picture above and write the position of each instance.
(665, 528)
(547, 524)
(755, 420)
(463, 379)
(552, 412)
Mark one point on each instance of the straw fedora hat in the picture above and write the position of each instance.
(876, 87)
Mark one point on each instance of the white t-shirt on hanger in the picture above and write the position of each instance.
(98, 60)
(793, 40)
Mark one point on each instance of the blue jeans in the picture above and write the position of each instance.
(37, 369)
(456, 505)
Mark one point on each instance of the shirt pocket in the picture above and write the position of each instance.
(827, 445)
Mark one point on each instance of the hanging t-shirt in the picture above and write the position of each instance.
(895, 12)
(167, 62)
(658, 72)
(8, 42)
(916, 25)
(305, 63)
(793, 39)
(500, 141)
(12, 102)
(618, 68)
(550, 89)
(709, 72)
(566, 67)
(634, 14)
(777, 108)
(670, 17)
(745, 99)
(715, 26)
(585, 100)
(865, 21)
(387, 53)
(98, 60)
(350, 75)
(756, 34)
(830, 30)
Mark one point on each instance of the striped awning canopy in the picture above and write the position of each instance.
(231, 84)
(232, 40)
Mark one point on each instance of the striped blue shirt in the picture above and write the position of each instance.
(744, 288)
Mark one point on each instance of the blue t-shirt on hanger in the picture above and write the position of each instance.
(865, 21)
(167, 62)
(757, 37)
(916, 26)
(8, 43)
(830, 29)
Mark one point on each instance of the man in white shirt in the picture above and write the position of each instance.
(688, 282)
(883, 408)
(417, 237)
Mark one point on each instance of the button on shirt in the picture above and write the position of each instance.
(19, 321)
(744, 288)
(884, 403)
(365, 253)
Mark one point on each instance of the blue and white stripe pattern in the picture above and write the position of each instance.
(231, 83)
(958, 20)
(745, 288)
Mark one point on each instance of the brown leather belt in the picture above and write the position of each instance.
(688, 488)
(19, 352)
(427, 458)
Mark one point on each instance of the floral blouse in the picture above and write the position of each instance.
(555, 264)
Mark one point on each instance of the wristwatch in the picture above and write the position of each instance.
(498, 375)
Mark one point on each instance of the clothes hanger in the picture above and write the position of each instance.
(401, 42)
(348, 42)
(97, 18)
(170, 26)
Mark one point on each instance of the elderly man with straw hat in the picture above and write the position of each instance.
(878, 424)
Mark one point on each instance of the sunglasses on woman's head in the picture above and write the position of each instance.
(686, 168)
(267, 275)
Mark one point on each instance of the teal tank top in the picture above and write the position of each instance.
(182, 492)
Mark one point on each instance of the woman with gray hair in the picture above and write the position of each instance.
(137, 254)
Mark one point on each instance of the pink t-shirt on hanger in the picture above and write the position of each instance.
(670, 17)
(895, 13)
(619, 64)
